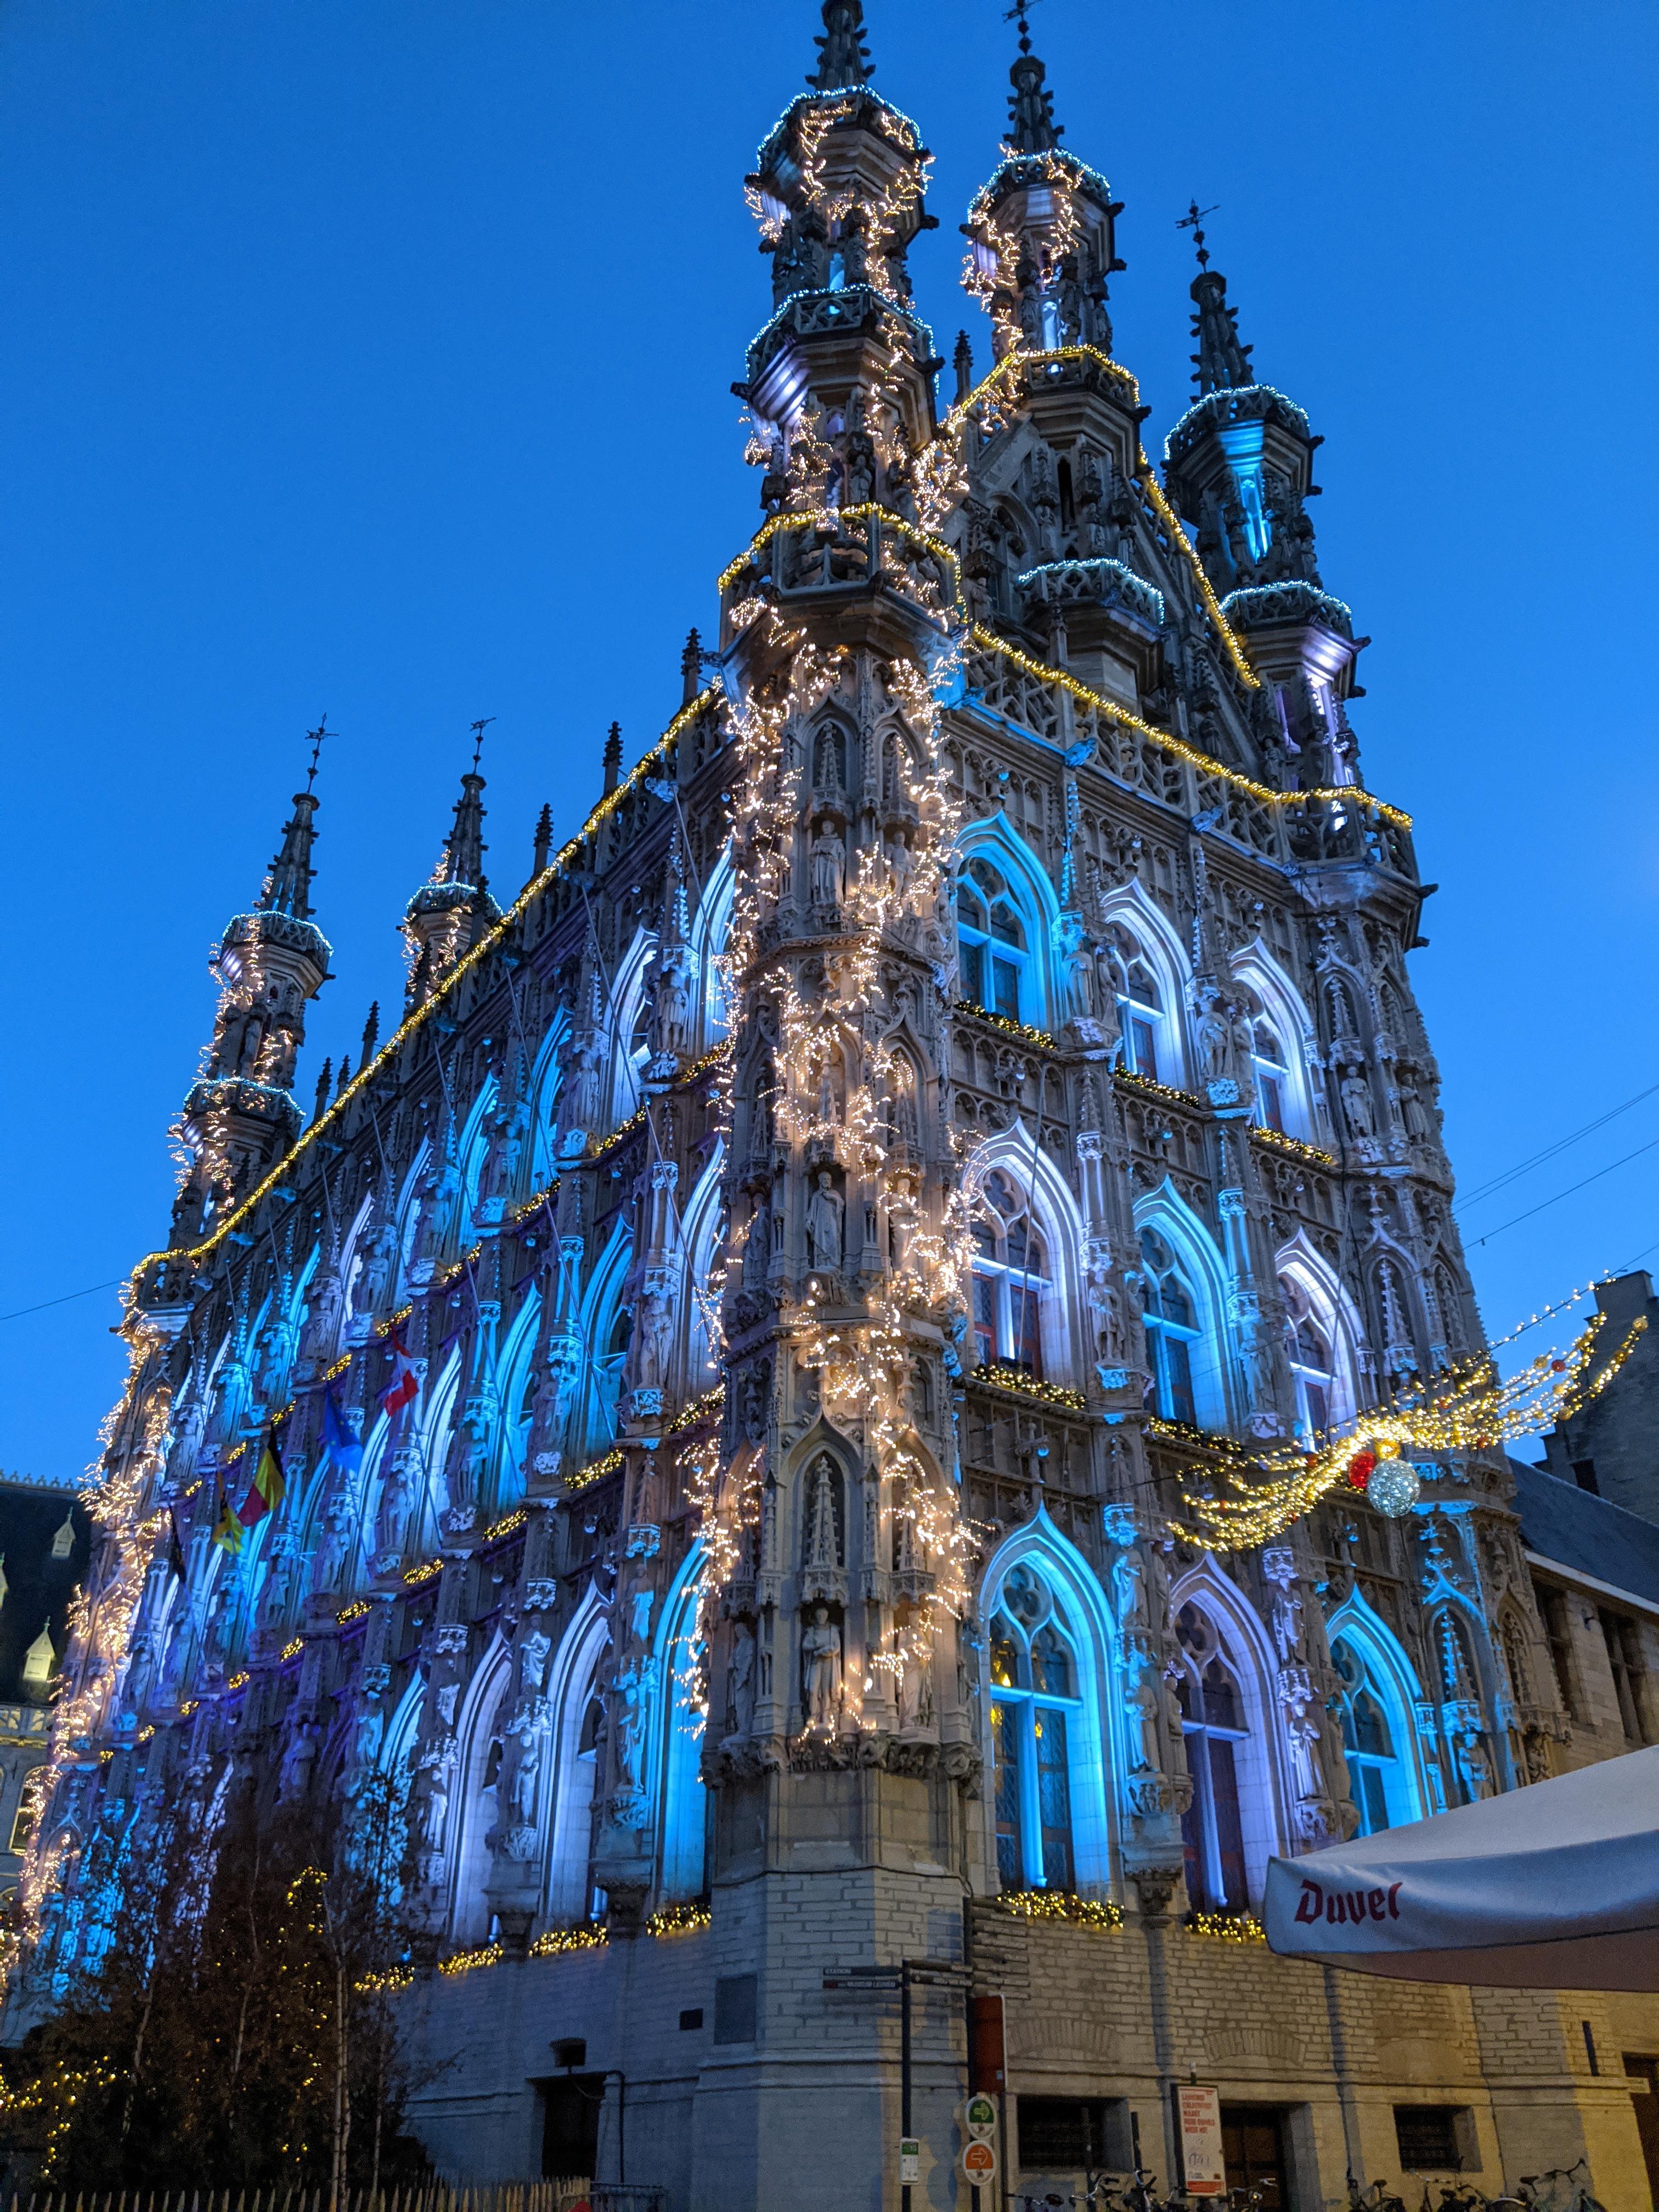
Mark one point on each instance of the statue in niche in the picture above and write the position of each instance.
(824, 1514)
(829, 866)
(914, 1688)
(821, 1667)
(532, 1662)
(740, 1678)
(434, 1813)
(826, 1212)
(673, 1009)
(1358, 1110)
(633, 1688)
(1106, 1309)
(525, 1778)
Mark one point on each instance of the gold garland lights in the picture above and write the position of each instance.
(1473, 1410)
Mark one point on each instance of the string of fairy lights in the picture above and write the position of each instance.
(1467, 1409)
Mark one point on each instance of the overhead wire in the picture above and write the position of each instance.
(1509, 1175)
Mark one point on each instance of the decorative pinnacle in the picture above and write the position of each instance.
(843, 59)
(1031, 125)
(1194, 221)
(1222, 364)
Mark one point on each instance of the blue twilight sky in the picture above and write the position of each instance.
(375, 359)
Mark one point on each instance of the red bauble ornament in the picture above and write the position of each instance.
(1558, 1367)
(1359, 1469)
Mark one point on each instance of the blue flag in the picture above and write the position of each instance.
(338, 1443)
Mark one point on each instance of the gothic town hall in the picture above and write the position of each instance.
(738, 1350)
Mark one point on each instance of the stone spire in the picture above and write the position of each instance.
(843, 57)
(612, 765)
(288, 887)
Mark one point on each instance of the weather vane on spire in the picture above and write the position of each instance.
(315, 739)
(478, 729)
(1020, 13)
(1194, 221)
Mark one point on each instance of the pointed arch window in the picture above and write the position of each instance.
(1143, 1048)
(1035, 1702)
(1212, 1722)
(1171, 1314)
(992, 943)
(1312, 1360)
(1010, 1279)
(1272, 1068)
(1375, 1775)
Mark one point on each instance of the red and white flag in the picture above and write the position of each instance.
(403, 1383)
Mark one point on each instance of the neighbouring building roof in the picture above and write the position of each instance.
(1560, 1522)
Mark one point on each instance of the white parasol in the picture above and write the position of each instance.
(1552, 1887)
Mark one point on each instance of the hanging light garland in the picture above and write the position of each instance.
(1471, 1410)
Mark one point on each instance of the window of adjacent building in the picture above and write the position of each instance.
(1170, 1316)
(1625, 1658)
(1378, 1784)
(1583, 1474)
(1430, 2138)
(1062, 2134)
(1558, 1632)
(22, 1827)
(991, 940)
(1213, 1722)
(1011, 1276)
(1035, 1710)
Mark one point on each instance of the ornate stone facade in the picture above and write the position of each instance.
(737, 1349)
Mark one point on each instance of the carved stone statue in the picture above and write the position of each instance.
(829, 866)
(821, 1669)
(1358, 1109)
(740, 1678)
(826, 1212)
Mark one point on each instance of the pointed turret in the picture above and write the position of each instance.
(837, 191)
(446, 916)
(1041, 229)
(543, 842)
(843, 57)
(611, 769)
(1240, 471)
(242, 1115)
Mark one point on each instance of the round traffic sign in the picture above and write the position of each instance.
(979, 2162)
(980, 2117)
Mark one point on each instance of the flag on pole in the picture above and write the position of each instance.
(403, 1382)
(268, 1488)
(338, 1443)
(227, 1529)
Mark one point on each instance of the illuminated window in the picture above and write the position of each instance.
(1010, 1279)
(1170, 1316)
(1141, 1013)
(1272, 1076)
(1212, 1722)
(991, 940)
(1035, 1700)
(1312, 1360)
(1374, 1775)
